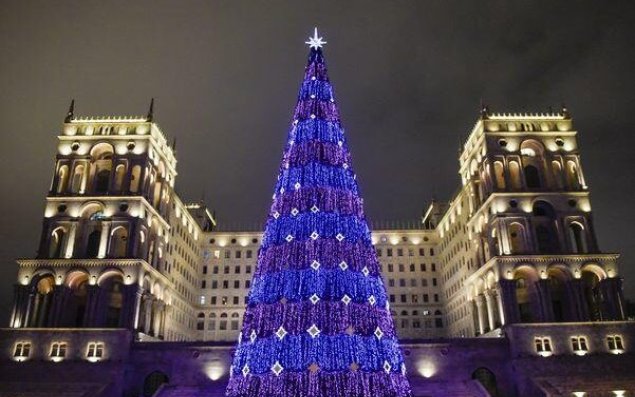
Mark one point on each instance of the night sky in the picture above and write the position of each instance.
(409, 77)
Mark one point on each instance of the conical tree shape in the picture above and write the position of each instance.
(318, 322)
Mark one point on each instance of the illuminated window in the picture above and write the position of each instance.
(579, 345)
(95, 351)
(22, 350)
(543, 346)
(58, 350)
(217, 254)
(615, 343)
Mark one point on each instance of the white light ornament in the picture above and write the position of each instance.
(245, 371)
(372, 300)
(315, 41)
(314, 299)
(277, 368)
(315, 265)
(295, 212)
(346, 299)
(339, 237)
(314, 235)
(281, 333)
(378, 333)
(343, 265)
(365, 271)
(315, 209)
(289, 238)
(387, 367)
(314, 331)
(253, 336)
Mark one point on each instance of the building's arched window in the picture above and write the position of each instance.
(78, 302)
(486, 378)
(78, 184)
(211, 323)
(517, 238)
(234, 322)
(546, 234)
(119, 242)
(577, 238)
(135, 179)
(223, 322)
(156, 198)
(499, 173)
(57, 242)
(592, 294)
(92, 244)
(557, 290)
(120, 173)
(532, 177)
(62, 179)
(101, 155)
(113, 289)
(573, 175)
(200, 322)
(557, 174)
(42, 301)
(152, 383)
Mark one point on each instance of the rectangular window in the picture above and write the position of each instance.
(225, 284)
(416, 323)
(234, 325)
(402, 268)
(237, 269)
(204, 269)
(211, 325)
(615, 343)
(378, 250)
(388, 251)
(202, 299)
(203, 284)
(392, 298)
(236, 284)
(422, 267)
(425, 298)
(424, 282)
(22, 350)
(413, 282)
(434, 267)
(212, 300)
(223, 325)
(411, 252)
(217, 254)
(390, 267)
(543, 346)
(226, 270)
(235, 300)
(436, 297)
(403, 298)
(215, 270)
(399, 251)
(391, 282)
(228, 254)
(249, 254)
(248, 284)
(404, 323)
(58, 349)
(248, 269)
(579, 345)
(434, 282)
(95, 350)
(214, 284)
(402, 282)
(415, 298)
(422, 252)
(431, 251)
(438, 322)
(239, 254)
(223, 301)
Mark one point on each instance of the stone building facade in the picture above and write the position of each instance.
(501, 291)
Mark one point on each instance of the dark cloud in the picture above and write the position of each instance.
(408, 76)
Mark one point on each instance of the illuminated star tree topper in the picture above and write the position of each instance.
(315, 41)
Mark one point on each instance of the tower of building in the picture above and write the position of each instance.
(517, 243)
(118, 248)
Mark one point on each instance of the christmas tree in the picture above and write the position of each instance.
(318, 321)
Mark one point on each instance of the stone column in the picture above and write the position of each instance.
(92, 306)
(509, 302)
(58, 304)
(20, 306)
(544, 300)
(70, 241)
(613, 305)
(103, 242)
(499, 305)
(137, 309)
(578, 309)
(489, 302)
(480, 313)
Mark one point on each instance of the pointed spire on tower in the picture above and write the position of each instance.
(484, 110)
(565, 111)
(71, 110)
(150, 115)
